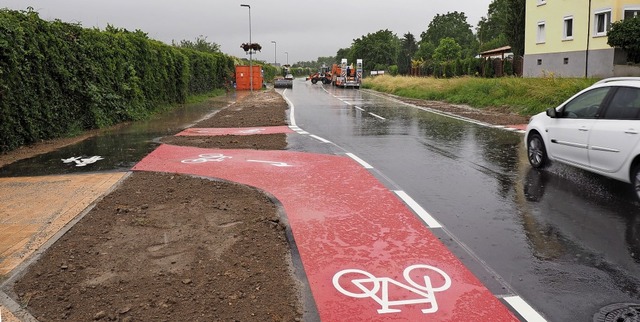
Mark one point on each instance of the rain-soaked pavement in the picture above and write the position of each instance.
(119, 149)
(566, 241)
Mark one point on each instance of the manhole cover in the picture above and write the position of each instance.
(621, 312)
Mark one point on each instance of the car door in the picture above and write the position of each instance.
(569, 132)
(617, 133)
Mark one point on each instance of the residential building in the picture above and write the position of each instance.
(568, 38)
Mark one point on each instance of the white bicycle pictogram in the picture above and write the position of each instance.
(208, 157)
(425, 293)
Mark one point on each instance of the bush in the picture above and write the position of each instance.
(58, 78)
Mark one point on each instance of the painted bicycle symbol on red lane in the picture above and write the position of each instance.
(207, 157)
(377, 288)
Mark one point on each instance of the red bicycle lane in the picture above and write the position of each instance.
(366, 256)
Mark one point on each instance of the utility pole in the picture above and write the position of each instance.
(250, 50)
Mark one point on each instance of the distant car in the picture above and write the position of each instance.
(597, 130)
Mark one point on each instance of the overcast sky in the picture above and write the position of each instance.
(304, 29)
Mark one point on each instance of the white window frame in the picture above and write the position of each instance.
(565, 36)
(542, 2)
(541, 33)
(630, 8)
(607, 23)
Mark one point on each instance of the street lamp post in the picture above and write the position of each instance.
(286, 53)
(250, 50)
(275, 53)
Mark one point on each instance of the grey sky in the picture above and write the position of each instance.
(304, 29)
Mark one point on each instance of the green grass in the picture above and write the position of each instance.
(524, 96)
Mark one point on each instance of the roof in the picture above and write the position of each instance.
(500, 50)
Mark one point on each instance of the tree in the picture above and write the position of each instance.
(408, 48)
(451, 25)
(504, 25)
(515, 25)
(343, 53)
(425, 51)
(491, 30)
(624, 34)
(379, 48)
(447, 50)
(201, 44)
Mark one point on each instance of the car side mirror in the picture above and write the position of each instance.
(552, 113)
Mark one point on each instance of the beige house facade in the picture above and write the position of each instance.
(568, 38)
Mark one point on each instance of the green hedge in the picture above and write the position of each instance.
(58, 78)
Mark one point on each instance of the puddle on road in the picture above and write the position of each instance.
(120, 148)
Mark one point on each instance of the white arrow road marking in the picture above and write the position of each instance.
(273, 163)
(72, 159)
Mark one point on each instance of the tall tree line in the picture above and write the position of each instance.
(448, 37)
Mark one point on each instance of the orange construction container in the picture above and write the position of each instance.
(243, 81)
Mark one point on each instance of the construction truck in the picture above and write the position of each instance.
(323, 75)
(345, 75)
(286, 81)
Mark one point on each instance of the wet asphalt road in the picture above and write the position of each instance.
(566, 241)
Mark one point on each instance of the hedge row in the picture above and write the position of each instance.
(58, 78)
(470, 67)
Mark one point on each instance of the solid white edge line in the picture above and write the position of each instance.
(430, 221)
(360, 108)
(319, 138)
(524, 309)
(292, 115)
(362, 162)
(378, 116)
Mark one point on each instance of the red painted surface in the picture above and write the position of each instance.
(235, 131)
(518, 126)
(344, 218)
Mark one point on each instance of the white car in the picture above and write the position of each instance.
(597, 130)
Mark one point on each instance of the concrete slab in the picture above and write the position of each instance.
(33, 209)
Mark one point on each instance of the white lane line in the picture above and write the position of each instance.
(378, 116)
(524, 309)
(292, 115)
(360, 108)
(362, 162)
(319, 138)
(430, 221)
(347, 103)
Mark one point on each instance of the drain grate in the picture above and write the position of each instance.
(621, 312)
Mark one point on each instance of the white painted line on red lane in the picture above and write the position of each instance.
(524, 309)
(362, 162)
(378, 116)
(426, 217)
(319, 138)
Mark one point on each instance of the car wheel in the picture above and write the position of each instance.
(635, 180)
(536, 151)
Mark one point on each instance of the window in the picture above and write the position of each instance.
(541, 2)
(541, 33)
(631, 13)
(625, 105)
(566, 60)
(539, 62)
(567, 33)
(586, 105)
(602, 22)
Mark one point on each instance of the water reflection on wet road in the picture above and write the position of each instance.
(566, 240)
(121, 147)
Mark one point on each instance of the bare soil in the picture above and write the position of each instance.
(166, 247)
